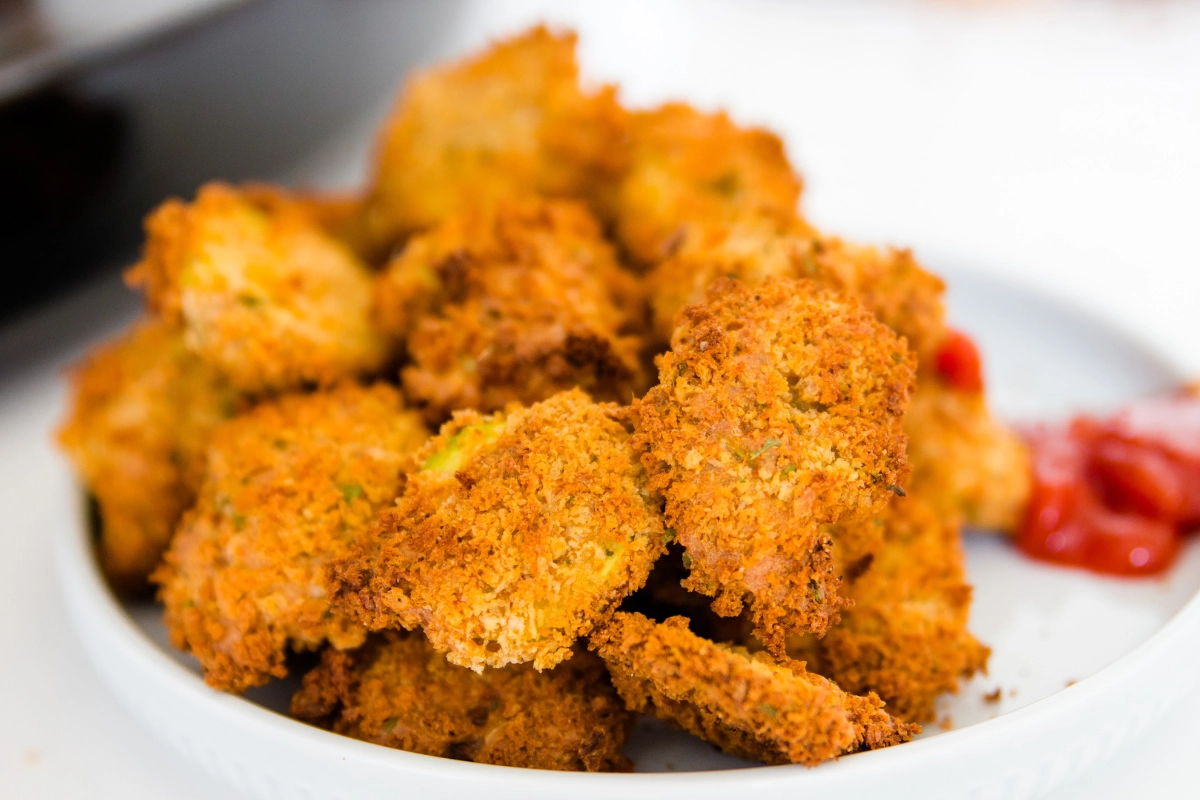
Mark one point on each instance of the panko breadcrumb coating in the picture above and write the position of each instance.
(513, 304)
(261, 291)
(519, 533)
(754, 247)
(748, 705)
(340, 214)
(142, 409)
(289, 487)
(906, 636)
(778, 410)
(690, 169)
(510, 121)
(977, 464)
(964, 460)
(399, 692)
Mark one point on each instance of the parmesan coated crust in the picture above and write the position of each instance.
(340, 214)
(906, 635)
(778, 411)
(978, 465)
(748, 705)
(689, 169)
(399, 692)
(964, 460)
(289, 487)
(142, 409)
(519, 533)
(509, 121)
(756, 246)
(513, 304)
(260, 290)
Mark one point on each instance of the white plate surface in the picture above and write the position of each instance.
(1083, 663)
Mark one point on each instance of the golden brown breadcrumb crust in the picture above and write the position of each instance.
(687, 170)
(519, 533)
(906, 636)
(748, 705)
(289, 486)
(261, 291)
(754, 247)
(509, 121)
(142, 409)
(513, 304)
(964, 460)
(341, 214)
(778, 410)
(399, 692)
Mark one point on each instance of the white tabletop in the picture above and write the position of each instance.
(1057, 142)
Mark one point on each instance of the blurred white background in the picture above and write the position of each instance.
(1057, 143)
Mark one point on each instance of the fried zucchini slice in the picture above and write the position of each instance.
(510, 121)
(688, 170)
(261, 291)
(778, 411)
(513, 304)
(755, 247)
(142, 410)
(399, 692)
(747, 705)
(519, 533)
(906, 635)
(966, 461)
(289, 487)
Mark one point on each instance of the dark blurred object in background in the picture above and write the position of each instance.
(59, 157)
(132, 116)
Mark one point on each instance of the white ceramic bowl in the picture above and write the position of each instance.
(1084, 663)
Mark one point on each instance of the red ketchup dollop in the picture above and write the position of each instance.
(957, 362)
(1116, 495)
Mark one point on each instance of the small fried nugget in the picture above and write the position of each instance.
(687, 170)
(519, 533)
(778, 411)
(399, 692)
(964, 459)
(288, 488)
(756, 246)
(979, 465)
(510, 121)
(748, 705)
(142, 410)
(906, 635)
(260, 290)
(513, 304)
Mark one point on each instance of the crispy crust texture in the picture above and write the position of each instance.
(519, 533)
(510, 121)
(289, 487)
(142, 409)
(689, 169)
(748, 705)
(261, 291)
(399, 692)
(964, 460)
(954, 443)
(340, 214)
(906, 635)
(755, 247)
(778, 411)
(513, 304)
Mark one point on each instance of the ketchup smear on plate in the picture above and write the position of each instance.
(1116, 495)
